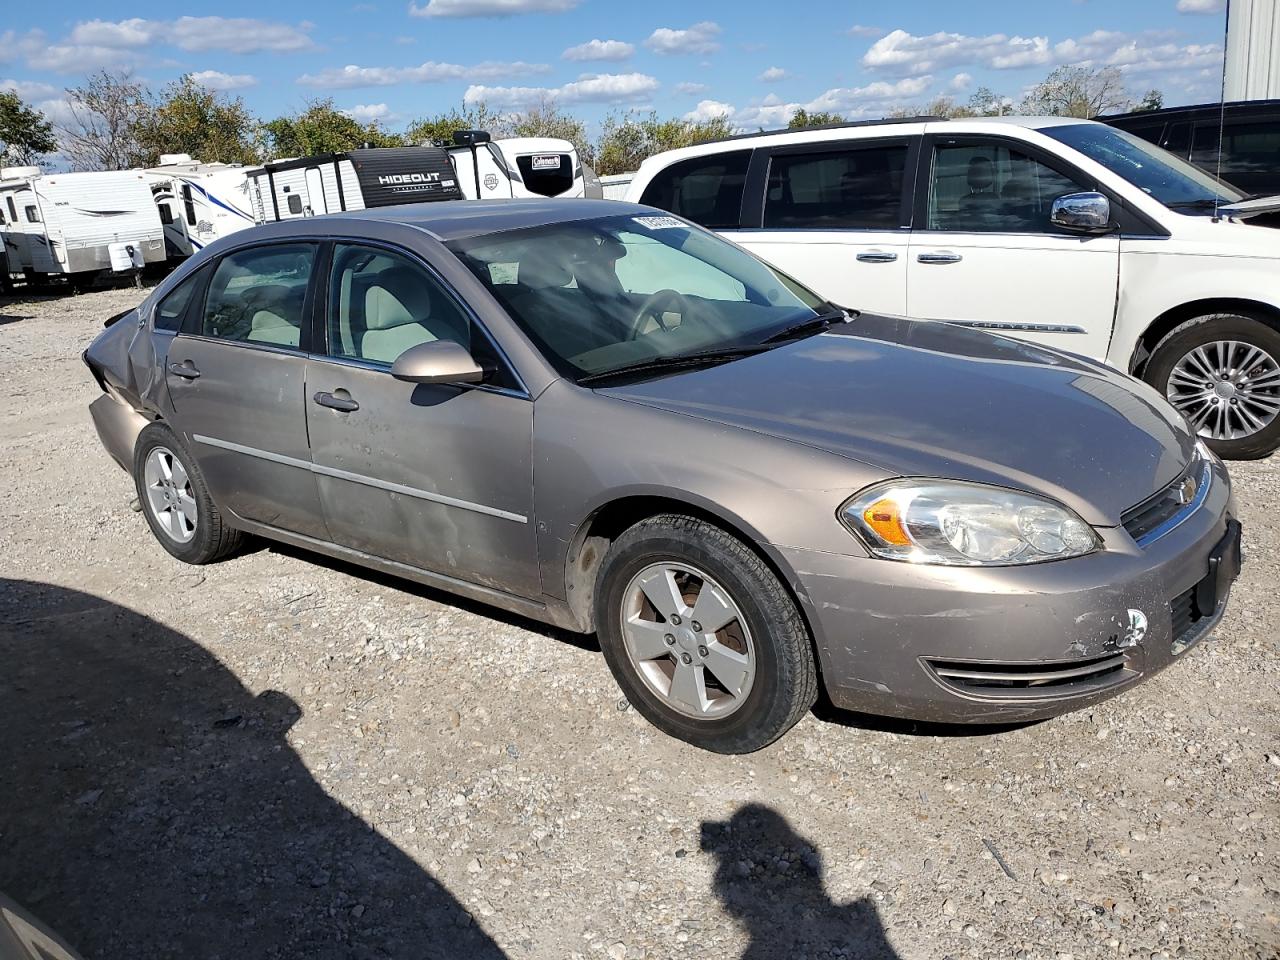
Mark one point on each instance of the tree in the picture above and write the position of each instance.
(985, 102)
(25, 133)
(107, 115)
(1151, 100)
(627, 140)
(1083, 92)
(819, 118)
(322, 128)
(438, 130)
(192, 119)
(941, 106)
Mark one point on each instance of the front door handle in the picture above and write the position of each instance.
(877, 256)
(336, 401)
(186, 370)
(939, 256)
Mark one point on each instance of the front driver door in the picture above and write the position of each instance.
(986, 254)
(235, 376)
(436, 476)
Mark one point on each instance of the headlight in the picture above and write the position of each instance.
(965, 524)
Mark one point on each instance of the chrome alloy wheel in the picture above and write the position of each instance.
(1228, 389)
(169, 495)
(688, 640)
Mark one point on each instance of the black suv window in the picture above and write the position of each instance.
(851, 188)
(1249, 152)
(257, 295)
(706, 190)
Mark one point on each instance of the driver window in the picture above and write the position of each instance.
(989, 188)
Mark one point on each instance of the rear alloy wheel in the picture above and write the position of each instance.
(702, 637)
(1222, 373)
(176, 501)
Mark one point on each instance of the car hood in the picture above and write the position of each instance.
(929, 399)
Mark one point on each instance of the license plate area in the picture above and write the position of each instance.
(1224, 567)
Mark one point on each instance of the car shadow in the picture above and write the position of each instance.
(152, 806)
(771, 879)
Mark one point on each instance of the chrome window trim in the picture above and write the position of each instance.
(360, 478)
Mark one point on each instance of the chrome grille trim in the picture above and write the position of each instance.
(1160, 514)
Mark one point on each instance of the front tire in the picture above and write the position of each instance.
(1222, 371)
(701, 636)
(175, 499)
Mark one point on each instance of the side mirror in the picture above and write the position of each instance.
(437, 361)
(1082, 212)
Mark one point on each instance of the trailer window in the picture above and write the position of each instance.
(13, 211)
(166, 215)
(33, 215)
(189, 204)
(295, 203)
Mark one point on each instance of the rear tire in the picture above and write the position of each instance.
(1230, 358)
(175, 499)
(750, 667)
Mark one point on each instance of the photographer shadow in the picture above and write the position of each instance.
(770, 878)
(152, 806)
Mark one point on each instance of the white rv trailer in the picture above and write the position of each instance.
(614, 185)
(375, 177)
(199, 202)
(79, 224)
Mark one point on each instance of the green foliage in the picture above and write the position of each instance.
(627, 140)
(25, 134)
(438, 130)
(192, 119)
(322, 128)
(1152, 100)
(818, 118)
(547, 120)
(985, 102)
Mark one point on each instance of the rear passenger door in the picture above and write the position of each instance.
(236, 377)
(837, 217)
(984, 253)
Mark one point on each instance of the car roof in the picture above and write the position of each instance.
(460, 219)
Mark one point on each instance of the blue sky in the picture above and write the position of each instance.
(752, 61)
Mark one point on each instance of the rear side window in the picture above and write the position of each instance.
(171, 310)
(257, 295)
(706, 190)
(832, 189)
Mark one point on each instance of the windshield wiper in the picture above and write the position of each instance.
(818, 324)
(675, 361)
(1207, 203)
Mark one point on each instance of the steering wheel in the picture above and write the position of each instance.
(655, 306)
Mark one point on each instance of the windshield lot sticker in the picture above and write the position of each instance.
(659, 223)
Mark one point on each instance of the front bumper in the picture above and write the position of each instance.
(1002, 644)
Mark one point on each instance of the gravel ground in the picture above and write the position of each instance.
(278, 756)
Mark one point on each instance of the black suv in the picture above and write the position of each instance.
(1250, 142)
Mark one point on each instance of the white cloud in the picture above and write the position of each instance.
(700, 38)
(352, 75)
(690, 89)
(858, 30)
(902, 52)
(29, 90)
(867, 101)
(1146, 53)
(217, 80)
(773, 73)
(600, 50)
(961, 82)
(489, 8)
(235, 34)
(371, 113)
(709, 110)
(1201, 6)
(605, 88)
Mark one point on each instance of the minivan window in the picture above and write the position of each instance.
(837, 189)
(993, 188)
(257, 295)
(1169, 179)
(707, 190)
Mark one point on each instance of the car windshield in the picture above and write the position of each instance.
(619, 292)
(1153, 170)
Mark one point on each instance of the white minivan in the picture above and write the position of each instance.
(1065, 232)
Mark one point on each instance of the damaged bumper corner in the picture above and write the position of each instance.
(118, 426)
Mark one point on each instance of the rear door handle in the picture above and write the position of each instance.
(186, 369)
(334, 402)
(939, 256)
(877, 256)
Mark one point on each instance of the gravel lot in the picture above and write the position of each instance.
(279, 756)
